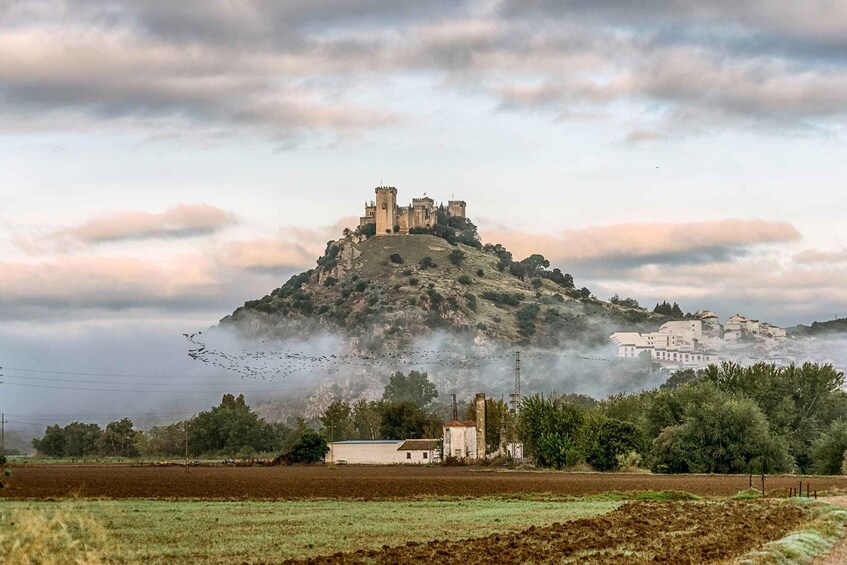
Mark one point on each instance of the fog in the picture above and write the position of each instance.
(153, 374)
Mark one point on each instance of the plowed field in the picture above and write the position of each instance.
(372, 483)
(638, 532)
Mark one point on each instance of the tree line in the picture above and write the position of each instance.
(724, 419)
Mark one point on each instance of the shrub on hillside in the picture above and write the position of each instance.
(510, 298)
(465, 280)
(395, 258)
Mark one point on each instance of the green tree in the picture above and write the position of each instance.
(118, 439)
(828, 450)
(367, 417)
(337, 421)
(309, 448)
(81, 440)
(415, 388)
(550, 430)
(407, 420)
(230, 428)
(610, 439)
(535, 263)
(164, 440)
(52, 443)
(680, 378)
(718, 434)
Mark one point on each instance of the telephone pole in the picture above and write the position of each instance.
(2, 434)
(186, 445)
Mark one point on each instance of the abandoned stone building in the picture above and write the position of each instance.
(390, 218)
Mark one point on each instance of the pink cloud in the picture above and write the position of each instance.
(268, 254)
(647, 242)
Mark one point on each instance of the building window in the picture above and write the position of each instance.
(425, 455)
(408, 455)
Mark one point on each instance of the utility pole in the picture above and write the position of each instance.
(454, 408)
(2, 434)
(186, 445)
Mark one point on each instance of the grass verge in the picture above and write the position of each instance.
(820, 534)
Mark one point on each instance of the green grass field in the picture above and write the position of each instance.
(131, 531)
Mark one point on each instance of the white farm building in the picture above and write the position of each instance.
(385, 452)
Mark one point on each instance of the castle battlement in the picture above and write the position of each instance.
(389, 218)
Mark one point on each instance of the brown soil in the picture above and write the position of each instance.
(285, 483)
(638, 532)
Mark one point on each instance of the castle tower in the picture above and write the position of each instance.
(456, 208)
(386, 209)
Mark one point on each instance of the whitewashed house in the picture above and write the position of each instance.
(460, 439)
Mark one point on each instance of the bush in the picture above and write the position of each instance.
(612, 439)
(512, 299)
(330, 281)
(407, 272)
(413, 281)
(395, 258)
(457, 257)
(361, 286)
(427, 263)
(472, 303)
(480, 273)
(465, 280)
(309, 448)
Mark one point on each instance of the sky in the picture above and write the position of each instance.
(162, 162)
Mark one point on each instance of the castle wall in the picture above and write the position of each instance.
(404, 219)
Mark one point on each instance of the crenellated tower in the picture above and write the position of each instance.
(386, 209)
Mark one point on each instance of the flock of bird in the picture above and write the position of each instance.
(267, 364)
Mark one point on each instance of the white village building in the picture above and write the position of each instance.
(697, 343)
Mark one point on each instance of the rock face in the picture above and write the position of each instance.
(384, 292)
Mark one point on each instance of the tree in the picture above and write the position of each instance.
(395, 258)
(415, 388)
(550, 430)
(718, 434)
(230, 428)
(680, 378)
(584, 293)
(457, 257)
(666, 309)
(82, 440)
(367, 417)
(426, 263)
(535, 263)
(337, 422)
(309, 448)
(407, 420)
(526, 319)
(52, 444)
(118, 439)
(828, 450)
(611, 439)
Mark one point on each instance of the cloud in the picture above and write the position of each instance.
(111, 283)
(638, 244)
(294, 71)
(179, 222)
(269, 255)
(818, 256)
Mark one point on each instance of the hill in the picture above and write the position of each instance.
(383, 292)
(831, 327)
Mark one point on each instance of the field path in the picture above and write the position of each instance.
(838, 554)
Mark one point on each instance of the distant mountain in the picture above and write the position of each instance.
(384, 292)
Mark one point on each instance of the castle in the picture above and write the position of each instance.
(390, 218)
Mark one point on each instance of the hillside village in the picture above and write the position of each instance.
(702, 340)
